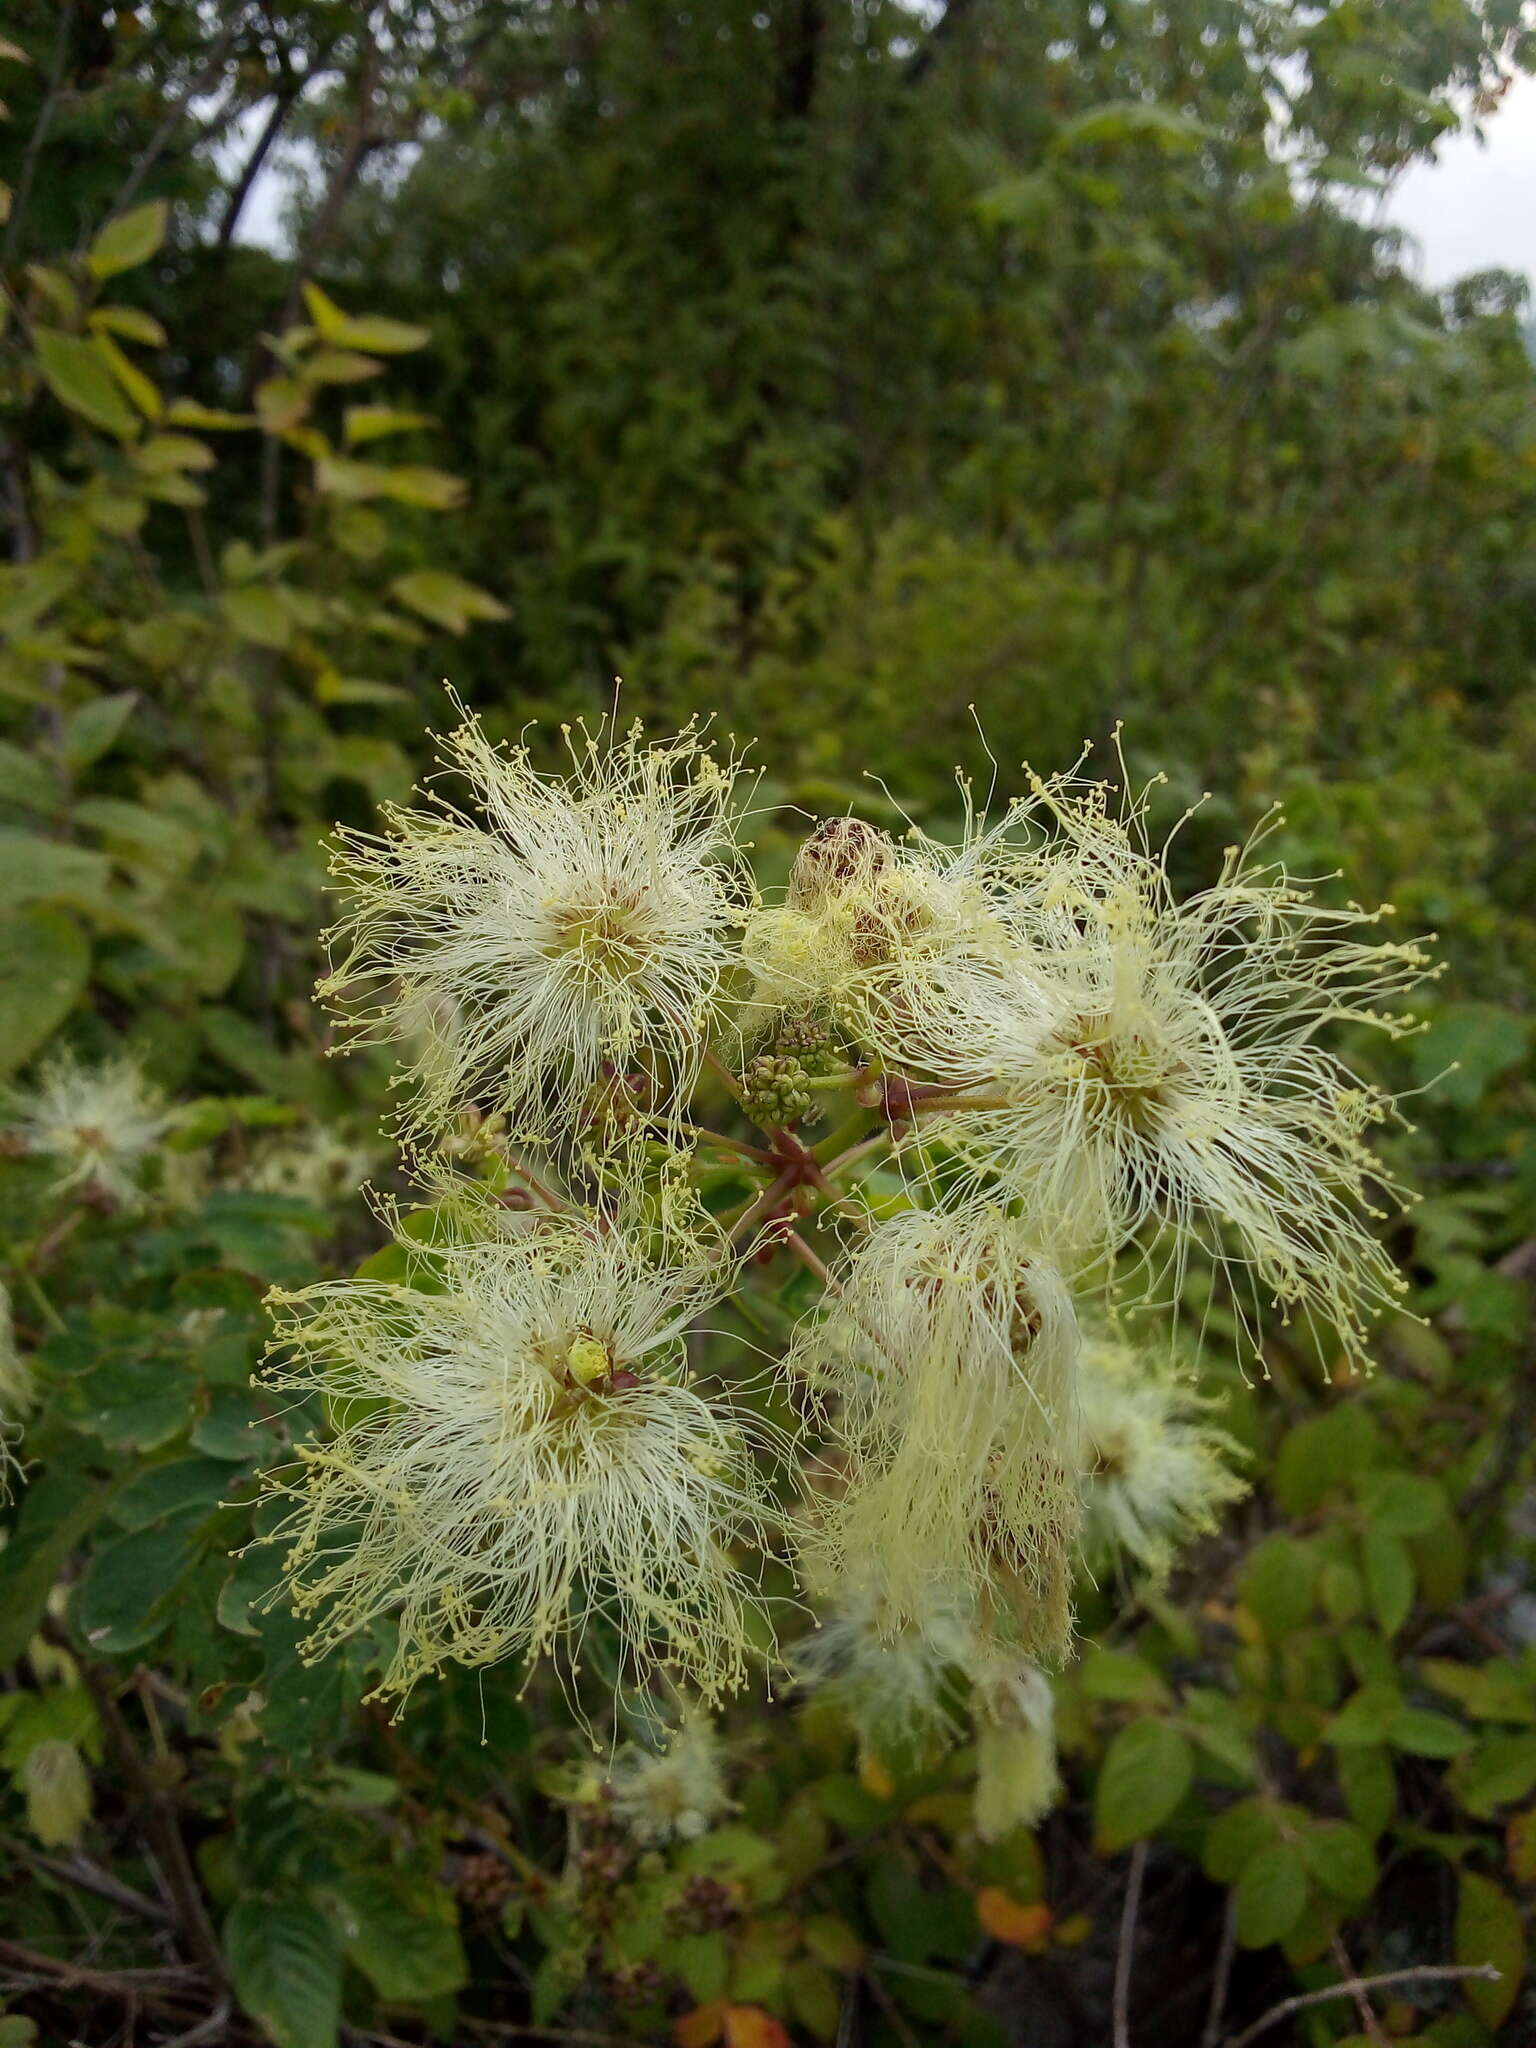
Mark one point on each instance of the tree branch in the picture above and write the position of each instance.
(1354, 1987)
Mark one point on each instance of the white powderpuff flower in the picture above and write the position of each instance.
(1015, 1725)
(1155, 1475)
(675, 1795)
(864, 912)
(318, 1166)
(97, 1123)
(531, 1459)
(1148, 1069)
(946, 1354)
(556, 929)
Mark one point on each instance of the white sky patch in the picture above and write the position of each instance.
(1473, 207)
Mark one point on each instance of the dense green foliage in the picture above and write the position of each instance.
(839, 370)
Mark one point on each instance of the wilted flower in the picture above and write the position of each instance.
(96, 1122)
(58, 1793)
(890, 1670)
(677, 1793)
(1155, 1475)
(1148, 1067)
(531, 1459)
(1015, 1722)
(566, 926)
(947, 1351)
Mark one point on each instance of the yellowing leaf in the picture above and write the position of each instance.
(371, 422)
(433, 488)
(281, 402)
(446, 600)
(371, 331)
(77, 375)
(186, 412)
(129, 240)
(749, 2026)
(132, 379)
(130, 323)
(339, 366)
(1004, 1920)
(173, 451)
(700, 2028)
(257, 615)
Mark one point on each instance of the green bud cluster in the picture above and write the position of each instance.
(810, 1041)
(775, 1092)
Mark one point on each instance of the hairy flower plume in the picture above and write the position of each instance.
(674, 1794)
(946, 1356)
(532, 1460)
(96, 1123)
(1155, 1474)
(1149, 1071)
(556, 929)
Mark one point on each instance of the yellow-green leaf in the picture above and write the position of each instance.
(76, 373)
(130, 323)
(186, 412)
(281, 402)
(372, 422)
(447, 600)
(173, 451)
(1489, 1929)
(257, 615)
(139, 388)
(339, 366)
(433, 488)
(129, 240)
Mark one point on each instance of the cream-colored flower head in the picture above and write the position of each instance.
(864, 911)
(1155, 1474)
(1150, 1071)
(315, 1166)
(558, 927)
(97, 1123)
(533, 1462)
(675, 1794)
(1015, 1722)
(946, 1358)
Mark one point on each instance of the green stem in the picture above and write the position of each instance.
(847, 1134)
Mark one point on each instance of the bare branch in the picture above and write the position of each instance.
(1354, 1987)
(1126, 1949)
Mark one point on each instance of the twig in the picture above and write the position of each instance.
(765, 1204)
(196, 87)
(1122, 1994)
(39, 133)
(795, 1243)
(891, 2009)
(210, 2029)
(1223, 1977)
(162, 1826)
(83, 1874)
(1354, 1987)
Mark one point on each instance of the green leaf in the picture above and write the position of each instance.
(1132, 121)
(1478, 1042)
(1235, 1837)
(703, 1962)
(94, 729)
(285, 1961)
(1401, 1504)
(76, 372)
(402, 1934)
(45, 965)
(37, 1553)
(1389, 1579)
(1495, 1774)
(1365, 1719)
(1270, 1896)
(372, 422)
(369, 331)
(128, 241)
(1368, 1784)
(1488, 1692)
(130, 1587)
(1117, 1675)
(1418, 1732)
(1340, 1858)
(1277, 1584)
(165, 1490)
(1146, 1772)
(1489, 1929)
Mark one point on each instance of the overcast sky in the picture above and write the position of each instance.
(1474, 207)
